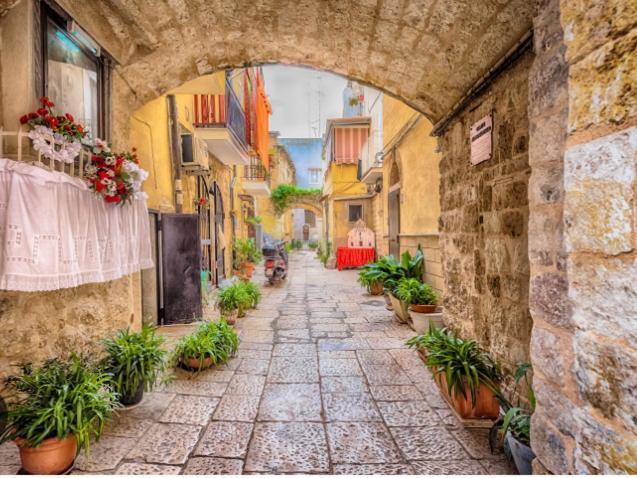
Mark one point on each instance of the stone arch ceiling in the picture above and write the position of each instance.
(426, 52)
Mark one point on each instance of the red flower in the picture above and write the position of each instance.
(99, 186)
(44, 100)
(32, 115)
(111, 199)
(102, 174)
(52, 121)
(121, 187)
(69, 117)
(24, 119)
(134, 149)
(42, 111)
(80, 129)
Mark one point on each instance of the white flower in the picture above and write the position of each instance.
(110, 160)
(100, 145)
(90, 170)
(53, 145)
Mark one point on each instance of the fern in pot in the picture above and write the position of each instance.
(372, 277)
(232, 301)
(211, 343)
(135, 361)
(58, 409)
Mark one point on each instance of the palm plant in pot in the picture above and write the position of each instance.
(372, 277)
(211, 343)
(246, 255)
(467, 377)
(59, 408)
(135, 361)
(515, 425)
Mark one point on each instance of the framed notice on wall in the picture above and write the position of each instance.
(481, 136)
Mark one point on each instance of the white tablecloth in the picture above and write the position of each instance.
(56, 233)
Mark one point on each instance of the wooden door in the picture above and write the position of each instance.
(394, 222)
(220, 250)
(181, 268)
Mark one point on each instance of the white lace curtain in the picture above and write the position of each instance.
(56, 233)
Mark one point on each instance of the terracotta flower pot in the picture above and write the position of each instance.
(52, 457)
(193, 363)
(486, 406)
(424, 308)
(376, 288)
(231, 317)
(248, 268)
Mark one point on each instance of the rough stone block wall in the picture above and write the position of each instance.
(484, 216)
(583, 236)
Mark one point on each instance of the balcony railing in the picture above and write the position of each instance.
(255, 171)
(221, 111)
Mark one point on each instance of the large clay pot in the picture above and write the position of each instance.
(487, 405)
(248, 268)
(376, 288)
(231, 317)
(400, 309)
(135, 398)
(194, 363)
(52, 457)
(424, 308)
(522, 454)
(421, 322)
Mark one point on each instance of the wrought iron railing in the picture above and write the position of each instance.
(236, 120)
(255, 171)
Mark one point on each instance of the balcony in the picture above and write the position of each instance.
(220, 122)
(370, 173)
(256, 180)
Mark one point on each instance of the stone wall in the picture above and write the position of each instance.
(583, 236)
(484, 215)
(430, 245)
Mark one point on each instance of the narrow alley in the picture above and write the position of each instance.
(322, 383)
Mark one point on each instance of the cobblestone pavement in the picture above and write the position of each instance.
(322, 383)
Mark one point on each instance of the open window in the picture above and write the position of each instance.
(355, 212)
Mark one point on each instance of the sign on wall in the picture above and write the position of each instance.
(481, 139)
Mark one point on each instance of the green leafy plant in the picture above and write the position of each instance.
(60, 397)
(254, 220)
(517, 419)
(134, 358)
(288, 247)
(413, 291)
(245, 250)
(284, 194)
(216, 341)
(254, 292)
(313, 245)
(462, 362)
(234, 297)
(297, 244)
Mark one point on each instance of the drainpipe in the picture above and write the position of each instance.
(175, 150)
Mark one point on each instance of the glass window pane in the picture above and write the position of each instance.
(71, 78)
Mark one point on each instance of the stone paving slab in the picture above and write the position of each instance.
(352, 385)
(190, 409)
(293, 370)
(391, 393)
(146, 469)
(414, 413)
(291, 402)
(428, 443)
(202, 465)
(361, 443)
(288, 447)
(225, 439)
(370, 469)
(105, 455)
(243, 384)
(241, 408)
(350, 408)
(166, 443)
(339, 367)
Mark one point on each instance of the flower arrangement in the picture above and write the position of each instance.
(117, 177)
(202, 202)
(55, 136)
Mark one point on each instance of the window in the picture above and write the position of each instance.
(315, 175)
(75, 75)
(355, 212)
(310, 219)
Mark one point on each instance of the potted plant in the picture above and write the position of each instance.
(246, 255)
(253, 292)
(467, 377)
(515, 425)
(59, 408)
(372, 277)
(135, 360)
(211, 343)
(422, 300)
(232, 301)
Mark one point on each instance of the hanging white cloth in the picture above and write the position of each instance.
(56, 233)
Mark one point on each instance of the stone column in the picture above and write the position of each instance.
(582, 110)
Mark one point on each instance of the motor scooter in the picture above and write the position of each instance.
(276, 261)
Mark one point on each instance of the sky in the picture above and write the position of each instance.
(300, 97)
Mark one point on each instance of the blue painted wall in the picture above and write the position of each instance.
(306, 154)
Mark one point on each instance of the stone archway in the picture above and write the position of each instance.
(580, 224)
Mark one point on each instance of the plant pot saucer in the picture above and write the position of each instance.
(68, 471)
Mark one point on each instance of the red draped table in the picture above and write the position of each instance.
(349, 257)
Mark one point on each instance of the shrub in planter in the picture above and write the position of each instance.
(246, 255)
(420, 296)
(253, 291)
(466, 375)
(135, 360)
(372, 278)
(233, 301)
(515, 425)
(60, 407)
(211, 343)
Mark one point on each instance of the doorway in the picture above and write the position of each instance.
(394, 221)
(220, 250)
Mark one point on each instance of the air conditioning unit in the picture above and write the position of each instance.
(195, 158)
